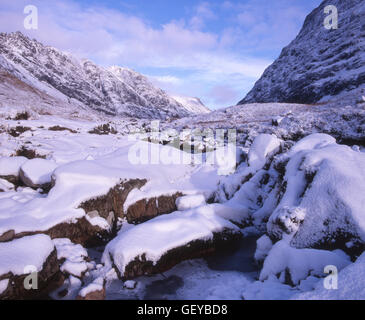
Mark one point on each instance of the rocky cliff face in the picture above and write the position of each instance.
(115, 91)
(319, 64)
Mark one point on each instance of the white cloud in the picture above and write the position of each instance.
(203, 13)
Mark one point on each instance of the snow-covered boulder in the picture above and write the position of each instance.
(293, 265)
(322, 197)
(20, 258)
(36, 173)
(171, 239)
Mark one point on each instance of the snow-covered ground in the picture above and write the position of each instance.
(289, 207)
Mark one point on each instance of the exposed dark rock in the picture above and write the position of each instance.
(114, 200)
(79, 232)
(17, 131)
(147, 209)
(104, 129)
(28, 153)
(7, 236)
(22, 116)
(59, 128)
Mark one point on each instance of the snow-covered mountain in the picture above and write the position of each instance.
(115, 91)
(319, 64)
(193, 105)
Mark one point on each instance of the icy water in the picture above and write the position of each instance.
(220, 276)
(237, 258)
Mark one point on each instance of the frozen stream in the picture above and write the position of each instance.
(221, 276)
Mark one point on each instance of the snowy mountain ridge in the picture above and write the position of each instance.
(319, 64)
(115, 91)
(194, 105)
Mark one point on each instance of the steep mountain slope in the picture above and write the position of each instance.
(193, 105)
(148, 91)
(319, 64)
(112, 92)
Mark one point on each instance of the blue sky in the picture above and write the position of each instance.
(214, 50)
